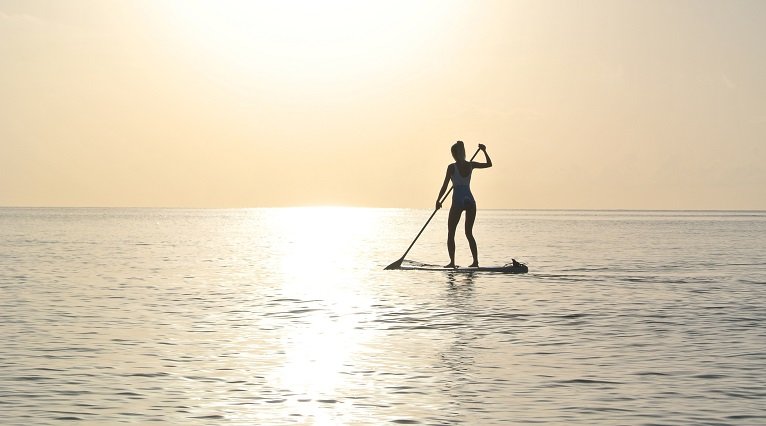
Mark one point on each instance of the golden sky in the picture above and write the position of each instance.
(593, 104)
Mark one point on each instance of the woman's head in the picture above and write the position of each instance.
(458, 151)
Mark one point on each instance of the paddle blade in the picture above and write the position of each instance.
(395, 265)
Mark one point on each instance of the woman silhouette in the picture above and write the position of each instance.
(462, 200)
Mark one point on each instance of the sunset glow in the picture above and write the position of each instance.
(305, 43)
(656, 105)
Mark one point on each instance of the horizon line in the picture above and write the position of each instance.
(330, 206)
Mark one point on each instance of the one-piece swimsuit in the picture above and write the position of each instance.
(461, 195)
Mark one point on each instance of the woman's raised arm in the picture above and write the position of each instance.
(487, 161)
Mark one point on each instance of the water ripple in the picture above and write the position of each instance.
(245, 317)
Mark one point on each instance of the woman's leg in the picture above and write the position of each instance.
(452, 221)
(470, 217)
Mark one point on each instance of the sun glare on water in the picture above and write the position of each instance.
(316, 242)
(319, 239)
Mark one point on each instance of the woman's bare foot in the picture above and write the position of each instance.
(475, 264)
(450, 265)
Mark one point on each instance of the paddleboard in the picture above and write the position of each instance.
(518, 268)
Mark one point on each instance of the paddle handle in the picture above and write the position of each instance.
(434, 213)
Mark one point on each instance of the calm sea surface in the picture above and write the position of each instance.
(285, 316)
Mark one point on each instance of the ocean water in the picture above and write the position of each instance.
(286, 316)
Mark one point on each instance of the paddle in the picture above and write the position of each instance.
(398, 263)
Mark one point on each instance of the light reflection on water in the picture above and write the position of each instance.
(285, 316)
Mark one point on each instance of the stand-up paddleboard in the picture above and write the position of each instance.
(511, 268)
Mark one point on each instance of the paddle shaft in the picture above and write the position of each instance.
(434, 213)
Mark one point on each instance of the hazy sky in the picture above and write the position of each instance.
(582, 104)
